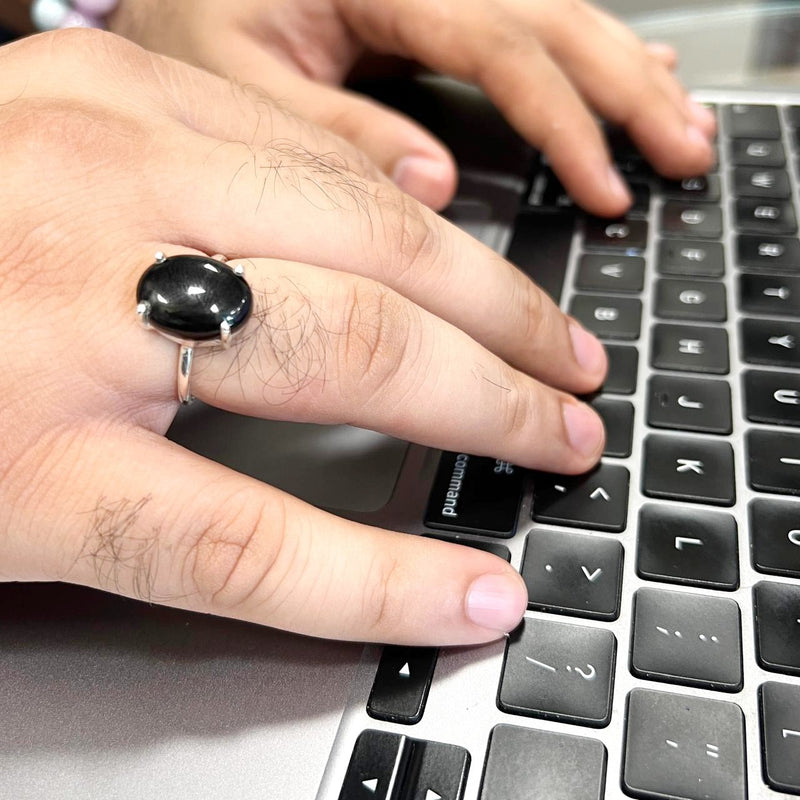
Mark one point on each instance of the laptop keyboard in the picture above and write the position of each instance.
(660, 655)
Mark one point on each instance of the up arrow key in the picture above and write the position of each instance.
(600, 492)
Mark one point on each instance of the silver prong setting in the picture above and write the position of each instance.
(143, 312)
(160, 257)
(225, 334)
(239, 270)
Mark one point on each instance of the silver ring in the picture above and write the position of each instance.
(194, 301)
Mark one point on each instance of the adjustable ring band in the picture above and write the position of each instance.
(194, 301)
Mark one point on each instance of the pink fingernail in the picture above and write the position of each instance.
(497, 602)
(617, 186)
(589, 353)
(697, 137)
(584, 429)
(703, 116)
(420, 176)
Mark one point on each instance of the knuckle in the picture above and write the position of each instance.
(231, 558)
(518, 412)
(412, 238)
(378, 613)
(378, 326)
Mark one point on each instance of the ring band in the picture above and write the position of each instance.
(194, 301)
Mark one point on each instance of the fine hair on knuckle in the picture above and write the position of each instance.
(228, 559)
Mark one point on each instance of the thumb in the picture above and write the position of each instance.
(168, 526)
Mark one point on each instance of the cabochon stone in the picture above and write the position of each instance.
(191, 296)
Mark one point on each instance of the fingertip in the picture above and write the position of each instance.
(665, 53)
(585, 431)
(702, 118)
(589, 353)
(496, 602)
(432, 181)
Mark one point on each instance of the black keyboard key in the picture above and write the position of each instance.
(621, 234)
(389, 766)
(527, 763)
(401, 684)
(678, 746)
(774, 342)
(573, 573)
(775, 295)
(780, 734)
(777, 608)
(540, 247)
(773, 461)
(689, 348)
(691, 258)
(694, 301)
(752, 122)
(692, 404)
(597, 500)
(609, 273)
(793, 116)
(475, 495)
(757, 153)
(617, 416)
(623, 367)
(766, 183)
(767, 217)
(700, 189)
(769, 253)
(378, 758)
(547, 191)
(775, 536)
(641, 200)
(682, 468)
(608, 316)
(772, 397)
(691, 639)
(688, 546)
(496, 549)
(559, 671)
(693, 220)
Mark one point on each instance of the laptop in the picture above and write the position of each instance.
(660, 655)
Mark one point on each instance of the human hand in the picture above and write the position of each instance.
(369, 309)
(549, 65)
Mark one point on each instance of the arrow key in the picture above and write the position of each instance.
(401, 684)
(576, 574)
(597, 499)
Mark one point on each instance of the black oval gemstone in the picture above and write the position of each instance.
(191, 296)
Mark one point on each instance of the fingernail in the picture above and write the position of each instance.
(617, 186)
(589, 353)
(701, 115)
(584, 428)
(497, 602)
(697, 137)
(422, 177)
